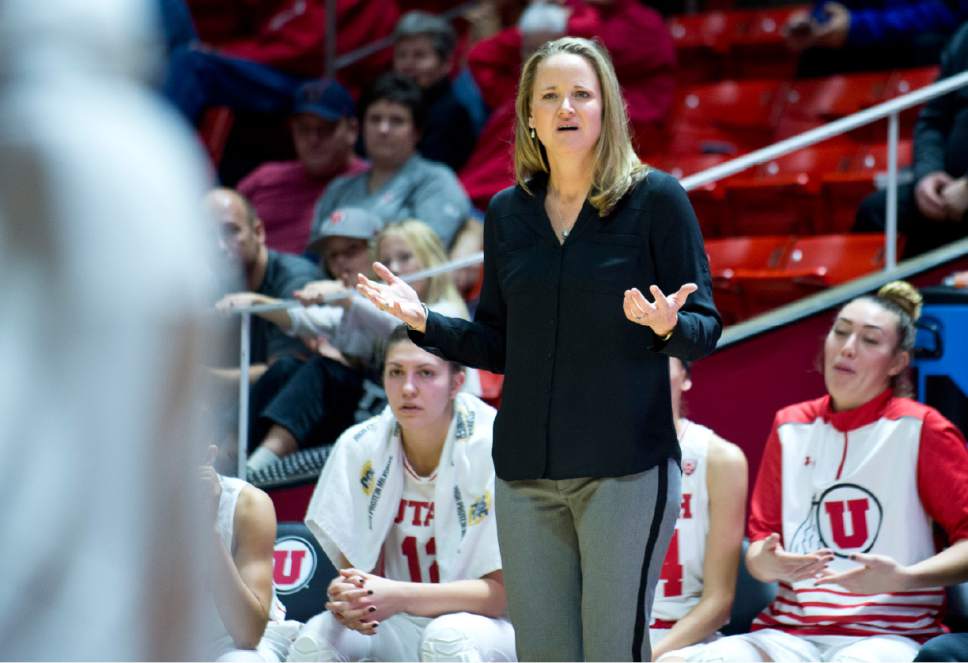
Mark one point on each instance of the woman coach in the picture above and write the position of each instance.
(584, 444)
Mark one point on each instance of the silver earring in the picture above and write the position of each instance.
(532, 133)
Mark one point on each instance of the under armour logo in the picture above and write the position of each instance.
(808, 461)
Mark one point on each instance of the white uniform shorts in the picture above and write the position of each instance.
(459, 636)
(783, 647)
(657, 635)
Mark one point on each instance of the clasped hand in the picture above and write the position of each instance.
(360, 600)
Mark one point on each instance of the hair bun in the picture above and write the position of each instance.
(904, 295)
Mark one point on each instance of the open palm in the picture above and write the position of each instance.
(394, 295)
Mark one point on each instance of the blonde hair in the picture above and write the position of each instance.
(617, 168)
(905, 296)
(429, 251)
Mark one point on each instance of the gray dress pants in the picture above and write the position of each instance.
(581, 561)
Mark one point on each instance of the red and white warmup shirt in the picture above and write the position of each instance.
(874, 480)
(681, 581)
(410, 549)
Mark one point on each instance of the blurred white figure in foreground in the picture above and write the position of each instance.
(101, 263)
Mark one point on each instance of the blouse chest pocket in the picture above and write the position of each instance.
(606, 263)
(520, 267)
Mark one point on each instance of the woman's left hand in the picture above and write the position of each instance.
(877, 574)
(384, 598)
(661, 316)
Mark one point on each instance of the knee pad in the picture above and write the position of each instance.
(310, 649)
(445, 643)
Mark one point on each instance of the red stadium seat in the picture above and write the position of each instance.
(842, 192)
(812, 264)
(729, 255)
(776, 205)
(903, 81)
(813, 102)
(702, 42)
(707, 201)
(731, 117)
(758, 49)
(782, 196)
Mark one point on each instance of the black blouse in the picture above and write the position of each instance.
(586, 391)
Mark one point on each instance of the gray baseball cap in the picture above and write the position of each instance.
(351, 222)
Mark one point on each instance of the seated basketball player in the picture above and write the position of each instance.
(698, 580)
(848, 491)
(404, 508)
(240, 572)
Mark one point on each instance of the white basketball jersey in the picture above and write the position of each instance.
(854, 491)
(681, 581)
(225, 522)
(410, 549)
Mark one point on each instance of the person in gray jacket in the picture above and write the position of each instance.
(400, 183)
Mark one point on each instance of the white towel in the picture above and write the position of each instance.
(360, 487)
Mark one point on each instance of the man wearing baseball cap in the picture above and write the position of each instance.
(323, 126)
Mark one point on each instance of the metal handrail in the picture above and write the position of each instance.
(834, 296)
(889, 109)
(818, 134)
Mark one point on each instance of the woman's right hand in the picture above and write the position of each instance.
(395, 296)
(769, 562)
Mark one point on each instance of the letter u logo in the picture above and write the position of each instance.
(286, 566)
(858, 533)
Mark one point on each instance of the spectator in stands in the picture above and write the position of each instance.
(331, 384)
(423, 51)
(933, 209)
(948, 647)
(862, 35)
(698, 579)
(319, 399)
(404, 509)
(264, 271)
(400, 183)
(242, 526)
(645, 61)
(254, 56)
(870, 589)
(324, 130)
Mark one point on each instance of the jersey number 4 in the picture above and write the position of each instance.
(413, 559)
(672, 569)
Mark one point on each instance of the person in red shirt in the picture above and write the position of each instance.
(252, 56)
(324, 130)
(644, 57)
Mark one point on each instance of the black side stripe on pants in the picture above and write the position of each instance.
(660, 502)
